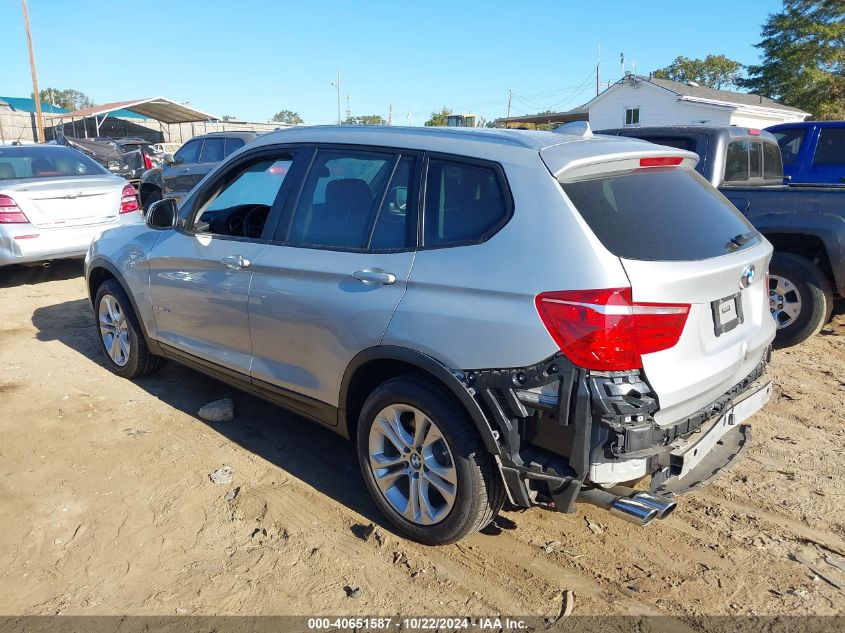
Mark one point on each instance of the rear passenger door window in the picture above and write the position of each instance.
(340, 199)
(232, 144)
(465, 202)
(212, 150)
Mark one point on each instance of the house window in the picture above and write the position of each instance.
(632, 116)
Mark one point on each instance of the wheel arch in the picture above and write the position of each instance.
(98, 271)
(810, 245)
(374, 365)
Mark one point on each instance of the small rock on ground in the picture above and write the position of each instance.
(222, 475)
(218, 411)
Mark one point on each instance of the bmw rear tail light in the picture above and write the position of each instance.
(128, 200)
(10, 213)
(604, 330)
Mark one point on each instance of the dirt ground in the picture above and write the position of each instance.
(107, 506)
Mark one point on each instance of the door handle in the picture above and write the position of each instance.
(374, 276)
(236, 261)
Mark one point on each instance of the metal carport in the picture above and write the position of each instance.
(160, 109)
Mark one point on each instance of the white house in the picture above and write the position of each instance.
(642, 101)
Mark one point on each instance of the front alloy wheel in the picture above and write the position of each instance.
(121, 336)
(412, 464)
(114, 330)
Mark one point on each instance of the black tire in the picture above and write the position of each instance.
(479, 493)
(140, 361)
(815, 294)
(153, 196)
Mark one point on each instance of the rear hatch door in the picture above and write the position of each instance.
(681, 242)
(65, 202)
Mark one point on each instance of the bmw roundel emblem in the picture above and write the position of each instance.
(747, 277)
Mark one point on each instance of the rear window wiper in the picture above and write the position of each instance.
(739, 240)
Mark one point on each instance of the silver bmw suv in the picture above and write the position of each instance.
(490, 316)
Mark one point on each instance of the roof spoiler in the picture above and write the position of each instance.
(575, 128)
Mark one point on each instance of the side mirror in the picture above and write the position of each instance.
(168, 159)
(162, 214)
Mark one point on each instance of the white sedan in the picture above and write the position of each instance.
(54, 200)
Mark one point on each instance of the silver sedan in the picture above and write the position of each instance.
(55, 200)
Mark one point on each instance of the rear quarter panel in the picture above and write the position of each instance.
(472, 307)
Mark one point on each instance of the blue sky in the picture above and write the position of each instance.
(251, 58)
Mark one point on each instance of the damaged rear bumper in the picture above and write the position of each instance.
(564, 432)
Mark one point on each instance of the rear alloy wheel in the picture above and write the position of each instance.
(800, 298)
(412, 464)
(424, 463)
(120, 335)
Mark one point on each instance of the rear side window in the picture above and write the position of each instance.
(789, 142)
(464, 203)
(232, 144)
(831, 147)
(659, 215)
(212, 150)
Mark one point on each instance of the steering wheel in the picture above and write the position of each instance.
(254, 220)
(235, 224)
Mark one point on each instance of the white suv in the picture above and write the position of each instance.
(488, 314)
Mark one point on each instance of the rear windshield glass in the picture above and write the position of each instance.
(660, 215)
(41, 161)
(744, 162)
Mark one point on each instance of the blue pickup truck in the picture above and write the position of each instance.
(805, 223)
(813, 151)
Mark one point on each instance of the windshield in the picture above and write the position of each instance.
(660, 215)
(44, 161)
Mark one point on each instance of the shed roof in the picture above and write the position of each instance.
(159, 108)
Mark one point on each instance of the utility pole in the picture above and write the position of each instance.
(622, 62)
(390, 115)
(348, 108)
(598, 65)
(336, 84)
(39, 121)
(510, 96)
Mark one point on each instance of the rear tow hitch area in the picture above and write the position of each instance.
(635, 506)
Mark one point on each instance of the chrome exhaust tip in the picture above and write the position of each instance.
(664, 505)
(633, 511)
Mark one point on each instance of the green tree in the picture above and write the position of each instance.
(287, 116)
(714, 71)
(69, 99)
(367, 119)
(228, 117)
(803, 58)
(439, 118)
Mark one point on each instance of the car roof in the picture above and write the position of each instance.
(806, 124)
(491, 143)
(732, 131)
(246, 135)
